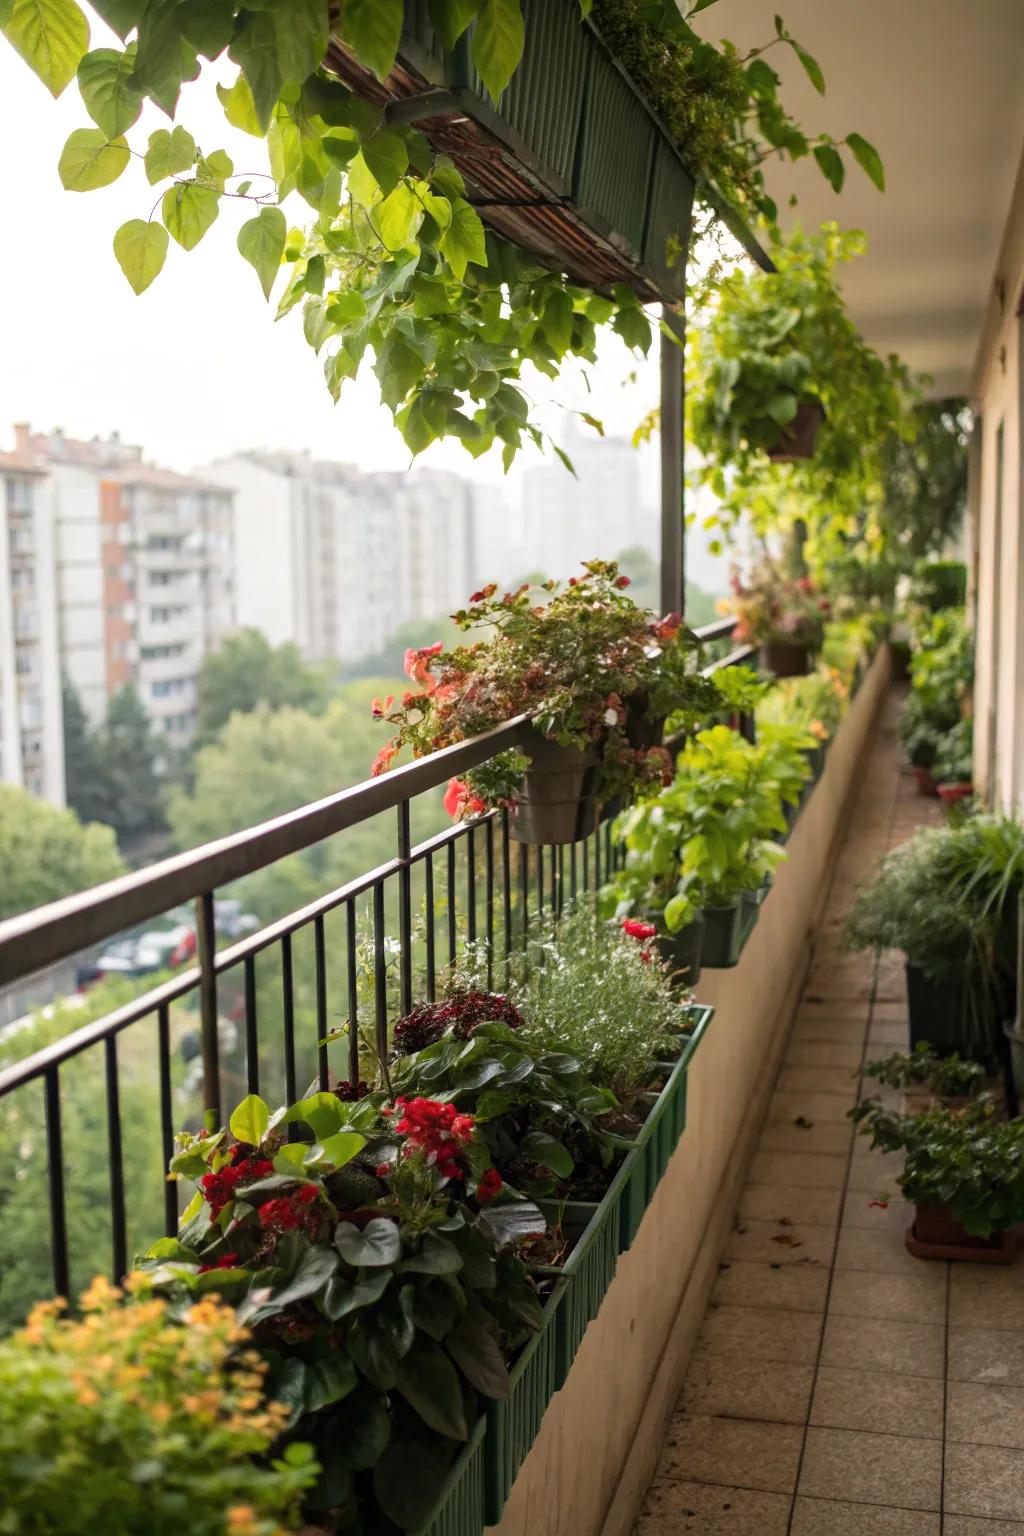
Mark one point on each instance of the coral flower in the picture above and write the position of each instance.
(382, 762)
(379, 708)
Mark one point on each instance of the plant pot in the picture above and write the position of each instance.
(681, 950)
(784, 657)
(926, 784)
(798, 439)
(952, 794)
(935, 1234)
(723, 936)
(936, 1011)
(514, 1423)
(556, 802)
(816, 757)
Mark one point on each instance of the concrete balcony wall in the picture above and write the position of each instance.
(593, 1459)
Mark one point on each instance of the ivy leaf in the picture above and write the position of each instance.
(633, 326)
(811, 67)
(386, 157)
(89, 160)
(249, 1121)
(831, 165)
(50, 35)
(141, 250)
(255, 50)
(169, 154)
(450, 18)
(497, 43)
(239, 107)
(208, 25)
(261, 242)
(463, 241)
(430, 1384)
(398, 369)
(373, 30)
(188, 210)
(378, 1244)
(104, 81)
(868, 158)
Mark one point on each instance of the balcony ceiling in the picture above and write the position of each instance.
(936, 86)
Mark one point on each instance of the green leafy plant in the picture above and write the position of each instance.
(924, 483)
(939, 584)
(128, 1419)
(954, 758)
(706, 838)
(965, 1160)
(359, 1257)
(813, 704)
(579, 659)
(948, 1077)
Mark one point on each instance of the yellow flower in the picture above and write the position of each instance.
(723, 606)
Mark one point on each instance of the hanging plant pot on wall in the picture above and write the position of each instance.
(682, 950)
(723, 936)
(784, 657)
(556, 803)
(798, 439)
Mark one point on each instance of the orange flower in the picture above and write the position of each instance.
(382, 762)
(379, 708)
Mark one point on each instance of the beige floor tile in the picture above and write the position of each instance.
(881, 1344)
(836, 1055)
(803, 1136)
(984, 1480)
(880, 1253)
(698, 1509)
(871, 1170)
(787, 1287)
(914, 1296)
(986, 1296)
(810, 1170)
(820, 1008)
(724, 1387)
(757, 1334)
(829, 1517)
(816, 1107)
(735, 1452)
(769, 1242)
(860, 1468)
(985, 1415)
(986, 1355)
(878, 1400)
(840, 1081)
(887, 1035)
(864, 1212)
(966, 1525)
(788, 1203)
(828, 1031)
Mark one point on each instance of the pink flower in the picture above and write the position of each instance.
(484, 593)
(379, 708)
(417, 664)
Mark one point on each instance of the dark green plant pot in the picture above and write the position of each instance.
(513, 1425)
(751, 903)
(681, 950)
(936, 1011)
(593, 1228)
(816, 757)
(461, 1507)
(723, 936)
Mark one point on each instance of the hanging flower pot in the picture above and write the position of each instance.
(786, 658)
(936, 1234)
(556, 802)
(797, 440)
(723, 935)
(682, 950)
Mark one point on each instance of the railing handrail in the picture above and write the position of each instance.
(46, 935)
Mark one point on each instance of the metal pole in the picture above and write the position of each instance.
(673, 560)
(206, 932)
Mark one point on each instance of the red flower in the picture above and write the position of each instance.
(490, 1183)
(382, 1170)
(281, 1214)
(226, 1261)
(382, 762)
(436, 1130)
(668, 627)
(882, 1205)
(484, 593)
(622, 582)
(417, 664)
(636, 929)
(460, 801)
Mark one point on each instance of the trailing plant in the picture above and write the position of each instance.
(965, 1160)
(576, 658)
(939, 584)
(774, 607)
(704, 839)
(365, 1260)
(948, 1077)
(126, 1419)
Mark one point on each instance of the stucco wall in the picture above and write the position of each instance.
(591, 1463)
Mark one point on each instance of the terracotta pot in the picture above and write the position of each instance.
(784, 658)
(797, 440)
(934, 1234)
(926, 784)
(556, 802)
(951, 794)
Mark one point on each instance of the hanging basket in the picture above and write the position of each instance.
(556, 802)
(797, 440)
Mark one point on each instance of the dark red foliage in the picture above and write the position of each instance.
(460, 1013)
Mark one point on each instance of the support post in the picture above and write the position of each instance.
(673, 560)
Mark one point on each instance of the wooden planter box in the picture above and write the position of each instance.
(570, 163)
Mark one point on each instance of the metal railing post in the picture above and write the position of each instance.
(206, 934)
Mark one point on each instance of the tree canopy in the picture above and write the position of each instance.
(47, 853)
(248, 671)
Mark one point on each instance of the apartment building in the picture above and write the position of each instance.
(31, 725)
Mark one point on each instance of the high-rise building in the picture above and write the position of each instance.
(143, 572)
(31, 725)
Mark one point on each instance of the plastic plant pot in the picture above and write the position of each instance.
(936, 1011)
(682, 950)
(723, 936)
(784, 658)
(556, 802)
(797, 440)
(935, 1234)
(952, 794)
(513, 1424)
(816, 757)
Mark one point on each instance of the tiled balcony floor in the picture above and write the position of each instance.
(840, 1387)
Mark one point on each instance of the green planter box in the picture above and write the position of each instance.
(513, 1425)
(461, 1508)
(723, 936)
(663, 1127)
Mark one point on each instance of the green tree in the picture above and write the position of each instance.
(248, 671)
(88, 788)
(925, 480)
(129, 756)
(47, 853)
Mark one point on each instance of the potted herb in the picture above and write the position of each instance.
(964, 1173)
(781, 614)
(587, 665)
(697, 846)
(941, 672)
(954, 764)
(927, 1076)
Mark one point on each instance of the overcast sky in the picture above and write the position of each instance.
(195, 367)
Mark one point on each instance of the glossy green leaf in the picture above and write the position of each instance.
(170, 152)
(261, 242)
(249, 1120)
(548, 1152)
(430, 1384)
(463, 241)
(497, 44)
(868, 158)
(188, 210)
(377, 1244)
(328, 1380)
(831, 164)
(104, 79)
(335, 1151)
(89, 160)
(141, 250)
(450, 18)
(344, 1296)
(50, 35)
(373, 30)
(387, 158)
(475, 1351)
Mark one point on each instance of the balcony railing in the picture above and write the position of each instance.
(471, 877)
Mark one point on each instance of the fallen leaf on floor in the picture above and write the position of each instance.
(789, 1238)
(804, 1123)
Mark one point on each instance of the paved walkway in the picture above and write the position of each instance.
(840, 1387)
